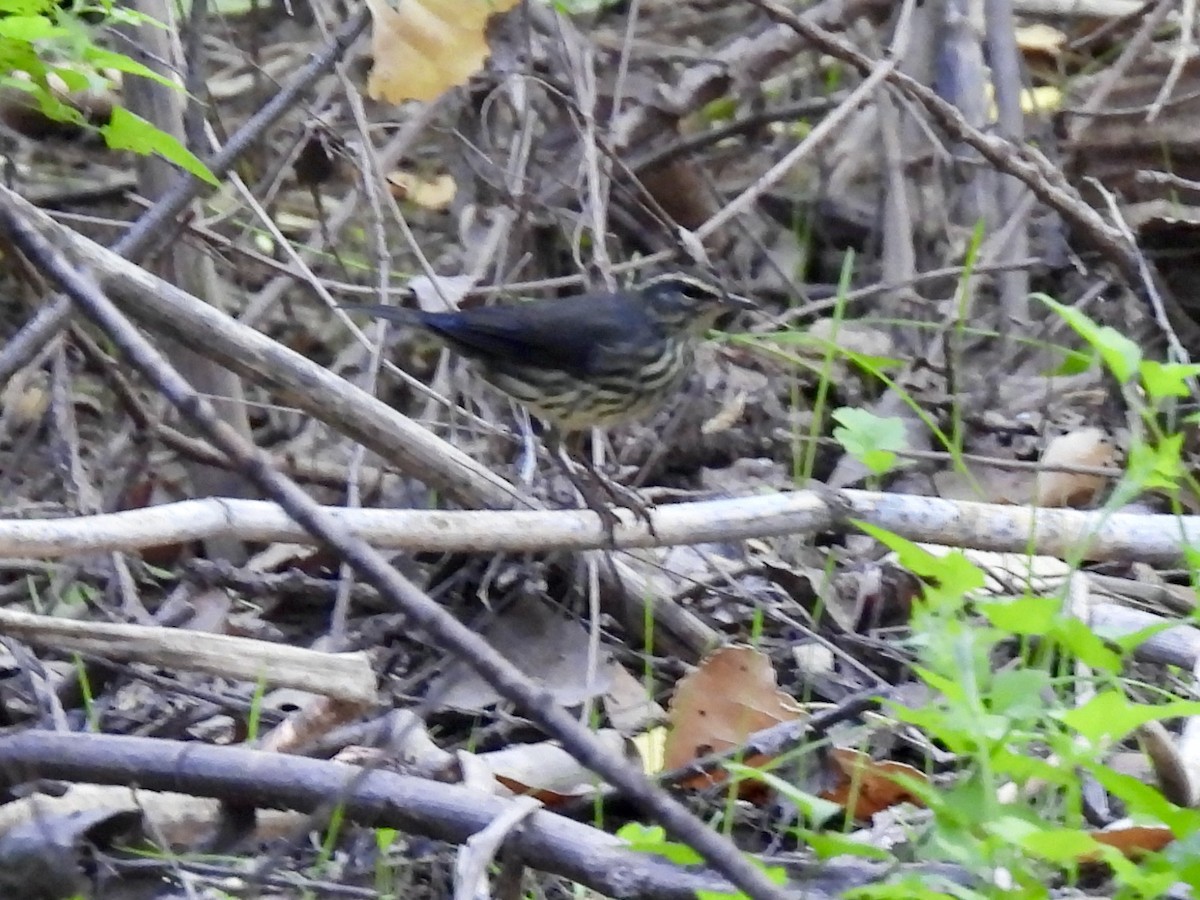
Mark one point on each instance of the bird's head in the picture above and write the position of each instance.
(682, 303)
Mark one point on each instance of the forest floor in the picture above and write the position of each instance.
(910, 613)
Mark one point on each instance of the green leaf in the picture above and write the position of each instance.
(1163, 380)
(1062, 845)
(653, 839)
(949, 687)
(79, 593)
(1183, 861)
(19, 56)
(1022, 767)
(1110, 715)
(56, 109)
(815, 810)
(1087, 646)
(1122, 356)
(869, 438)
(25, 7)
(1075, 362)
(107, 59)
(953, 572)
(636, 832)
(1150, 466)
(1022, 615)
(1017, 693)
(1014, 829)
(125, 131)
(828, 845)
(1145, 801)
(29, 28)
(719, 110)
(40, 96)
(73, 79)
(949, 727)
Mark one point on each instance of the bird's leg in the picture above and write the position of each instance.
(586, 489)
(621, 495)
(593, 498)
(617, 493)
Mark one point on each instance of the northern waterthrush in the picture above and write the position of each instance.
(589, 360)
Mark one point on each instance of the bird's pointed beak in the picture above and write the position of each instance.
(738, 302)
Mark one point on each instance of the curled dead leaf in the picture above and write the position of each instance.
(1084, 447)
(26, 397)
(729, 415)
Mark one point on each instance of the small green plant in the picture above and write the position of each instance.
(1026, 701)
(868, 438)
(254, 718)
(653, 839)
(1155, 458)
(802, 468)
(872, 440)
(87, 695)
(385, 875)
(46, 49)
(1019, 731)
(78, 593)
(334, 830)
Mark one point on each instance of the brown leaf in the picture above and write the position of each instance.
(1136, 840)
(731, 695)
(867, 783)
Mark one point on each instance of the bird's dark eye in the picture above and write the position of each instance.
(704, 295)
(686, 294)
(695, 290)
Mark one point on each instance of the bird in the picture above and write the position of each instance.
(589, 360)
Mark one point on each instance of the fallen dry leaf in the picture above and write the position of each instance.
(434, 194)
(731, 695)
(541, 642)
(1135, 840)
(1082, 447)
(1040, 38)
(547, 771)
(628, 704)
(428, 46)
(868, 784)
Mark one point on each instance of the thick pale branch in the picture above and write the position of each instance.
(1094, 535)
(342, 676)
